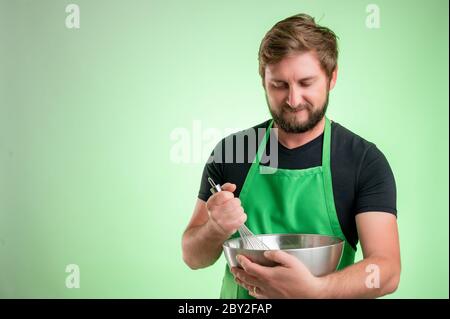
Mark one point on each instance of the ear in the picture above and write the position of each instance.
(333, 78)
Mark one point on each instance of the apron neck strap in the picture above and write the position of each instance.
(326, 143)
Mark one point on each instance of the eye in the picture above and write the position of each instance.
(279, 85)
(305, 84)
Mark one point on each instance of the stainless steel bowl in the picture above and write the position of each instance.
(321, 254)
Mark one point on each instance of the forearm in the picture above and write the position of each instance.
(202, 245)
(370, 278)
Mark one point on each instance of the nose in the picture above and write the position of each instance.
(295, 97)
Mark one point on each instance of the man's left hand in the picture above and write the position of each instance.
(289, 279)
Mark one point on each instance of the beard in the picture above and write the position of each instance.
(286, 119)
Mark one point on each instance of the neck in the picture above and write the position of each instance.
(293, 140)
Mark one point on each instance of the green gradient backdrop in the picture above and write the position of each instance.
(86, 117)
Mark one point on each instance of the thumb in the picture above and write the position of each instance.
(281, 257)
(229, 187)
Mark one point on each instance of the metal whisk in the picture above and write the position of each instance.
(249, 240)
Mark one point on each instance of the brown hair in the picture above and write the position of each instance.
(298, 33)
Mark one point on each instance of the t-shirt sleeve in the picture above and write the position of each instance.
(213, 169)
(376, 189)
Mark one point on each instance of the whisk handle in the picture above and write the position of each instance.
(215, 187)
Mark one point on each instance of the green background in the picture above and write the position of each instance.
(86, 117)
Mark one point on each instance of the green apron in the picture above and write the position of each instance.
(289, 201)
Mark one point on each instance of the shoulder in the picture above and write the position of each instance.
(351, 148)
(362, 162)
(355, 154)
(348, 140)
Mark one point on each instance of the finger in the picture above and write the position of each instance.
(231, 205)
(236, 217)
(245, 277)
(229, 187)
(239, 282)
(230, 219)
(253, 268)
(281, 257)
(234, 224)
(256, 292)
(220, 198)
(230, 215)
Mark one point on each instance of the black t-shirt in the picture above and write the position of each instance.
(362, 178)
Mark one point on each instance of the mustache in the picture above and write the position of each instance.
(287, 108)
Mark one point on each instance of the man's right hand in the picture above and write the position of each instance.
(225, 211)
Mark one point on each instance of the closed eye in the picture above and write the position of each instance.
(279, 85)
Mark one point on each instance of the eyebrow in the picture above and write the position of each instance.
(301, 80)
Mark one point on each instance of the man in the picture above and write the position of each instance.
(328, 181)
